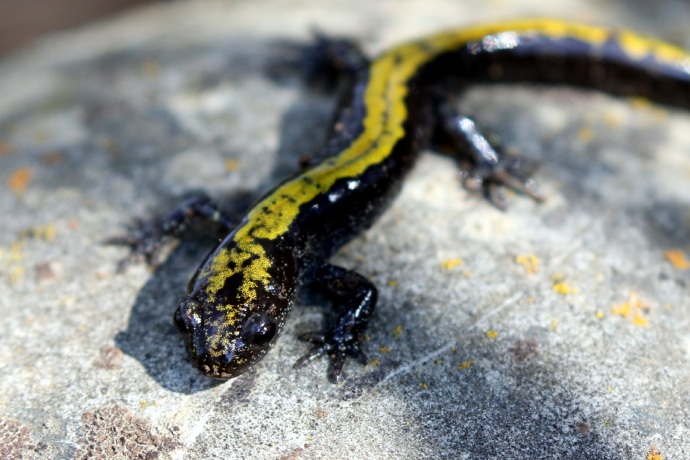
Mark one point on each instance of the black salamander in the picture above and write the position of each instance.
(397, 105)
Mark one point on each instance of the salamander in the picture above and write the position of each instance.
(396, 105)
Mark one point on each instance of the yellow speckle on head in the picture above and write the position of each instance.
(599, 314)
(491, 334)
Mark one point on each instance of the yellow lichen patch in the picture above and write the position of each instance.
(465, 364)
(654, 454)
(586, 134)
(150, 69)
(612, 120)
(677, 259)
(397, 332)
(374, 362)
(20, 179)
(632, 308)
(491, 334)
(529, 261)
(392, 283)
(423, 386)
(385, 349)
(450, 264)
(16, 275)
(232, 165)
(40, 232)
(564, 288)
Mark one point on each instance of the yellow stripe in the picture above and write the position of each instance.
(383, 127)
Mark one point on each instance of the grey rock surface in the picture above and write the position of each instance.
(476, 353)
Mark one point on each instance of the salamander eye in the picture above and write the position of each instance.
(188, 315)
(260, 330)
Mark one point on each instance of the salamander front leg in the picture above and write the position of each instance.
(356, 297)
(145, 238)
(492, 169)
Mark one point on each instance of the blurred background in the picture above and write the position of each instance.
(22, 21)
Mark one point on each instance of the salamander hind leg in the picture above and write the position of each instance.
(356, 298)
(145, 238)
(491, 170)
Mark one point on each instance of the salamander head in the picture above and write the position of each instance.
(224, 352)
(235, 310)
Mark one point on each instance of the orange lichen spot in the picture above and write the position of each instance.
(654, 454)
(232, 165)
(465, 364)
(397, 332)
(491, 334)
(392, 283)
(385, 349)
(529, 261)
(633, 309)
(451, 263)
(20, 179)
(677, 259)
